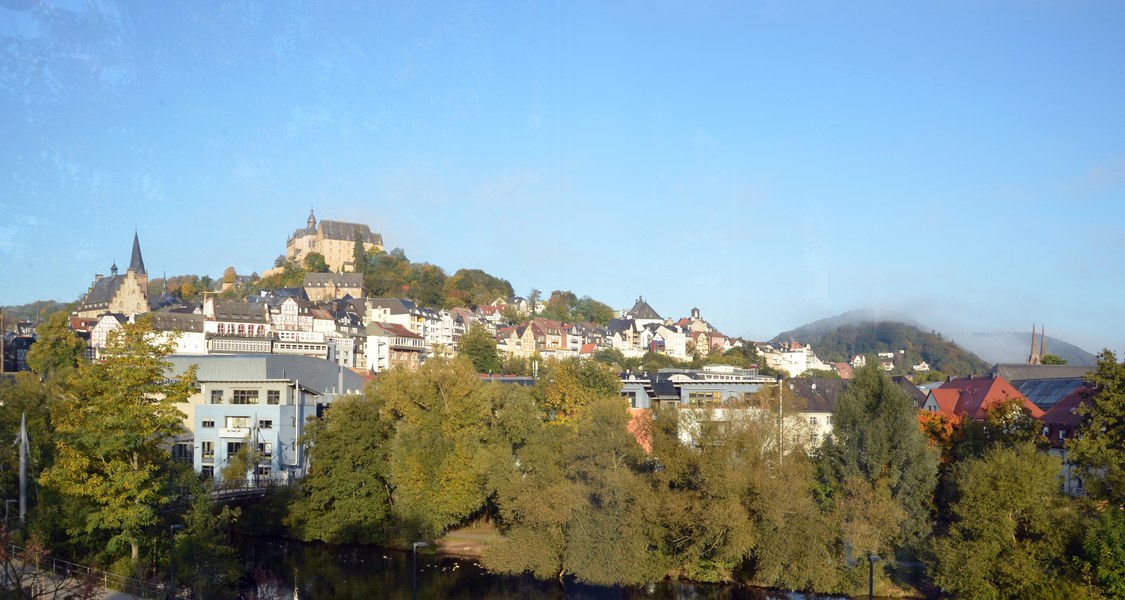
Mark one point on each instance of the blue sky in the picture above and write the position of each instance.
(772, 163)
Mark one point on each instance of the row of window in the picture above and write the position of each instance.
(207, 449)
(238, 423)
(241, 329)
(246, 396)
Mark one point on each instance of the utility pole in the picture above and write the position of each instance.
(23, 467)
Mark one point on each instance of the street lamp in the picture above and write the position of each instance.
(415, 567)
(780, 422)
(871, 558)
(172, 529)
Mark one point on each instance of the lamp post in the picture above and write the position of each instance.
(414, 570)
(871, 558)
(172, 529)
(780, 421)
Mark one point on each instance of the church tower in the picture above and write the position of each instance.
(137, 263)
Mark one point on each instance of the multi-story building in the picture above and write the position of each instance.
(263, 400)
(335, 240)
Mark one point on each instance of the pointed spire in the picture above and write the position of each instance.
(136, 263)
(1033, 357)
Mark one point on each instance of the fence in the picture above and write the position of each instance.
(71, 576)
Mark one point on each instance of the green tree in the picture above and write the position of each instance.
(449, 437)
(1052, 359)
(575, 504)
(113, 427)
(315, 263)
(1103, 551)
(560, 306)
(1098, 450)
(480, 348)
(473, 287)
(1011, 525)
(348, 494)
(204, 556)
(359, 252)
(878, 456)
(567, 387)
(57, 350)
(239, 464)
(588, 310)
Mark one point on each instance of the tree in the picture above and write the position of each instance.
(113, 427)
(473, 287)
(1103, 551)
(1052, 359)
(567, 387)
(204, 557)
(315, 263)
(575, 504)
(560, 305)
(359, 252)
(1011, 525)
(348, 494)
(451, 433)
(239, 464)
(480, 348)
(230, 275)
(1098, 449)
(878, 455)
(57, 350)
(588, 310)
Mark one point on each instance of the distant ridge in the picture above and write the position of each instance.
(866, 331)
(1013, 347)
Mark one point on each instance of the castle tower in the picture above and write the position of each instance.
(312, 222)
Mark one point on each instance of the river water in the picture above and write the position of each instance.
(285, 569)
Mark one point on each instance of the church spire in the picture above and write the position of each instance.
(1033, 358)
(1042, 341)
(136, 263)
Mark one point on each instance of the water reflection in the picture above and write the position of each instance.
(282, 569)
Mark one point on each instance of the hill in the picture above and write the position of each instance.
(837, 340)
(1013, 347)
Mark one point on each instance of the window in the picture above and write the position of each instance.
(181, 452)
(208, 449)
(207, 471)
(237, 422)
(245, 397)
(264, 470)
(207, 423)
(265, 423)
(812, 421)
(273, 397)
(266, 449)
(216, 396)
(233, 447)
(1062, 434)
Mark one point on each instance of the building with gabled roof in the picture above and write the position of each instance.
(335, 240)
(126, 293)
(975, 395)
(642, 313)
(323, 287)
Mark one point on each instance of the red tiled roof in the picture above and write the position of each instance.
(977, 394)
(946, 400)
(1062, 413)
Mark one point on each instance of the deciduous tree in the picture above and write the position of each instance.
(480, 348)
(113, 427)
(57, 350)
(1099, 448)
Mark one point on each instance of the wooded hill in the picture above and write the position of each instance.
(842, 342)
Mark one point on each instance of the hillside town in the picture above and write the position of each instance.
(270, 361)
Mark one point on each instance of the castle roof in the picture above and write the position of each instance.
(136, 263)
(641, 310)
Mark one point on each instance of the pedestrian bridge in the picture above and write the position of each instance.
(226, 491)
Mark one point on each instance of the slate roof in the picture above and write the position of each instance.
(620, 325)
(136, 263)
(915, 392)
(232, 310)
(350, 280)
(177, 321)
(102, 292)
(641, 310)
(816, 394)
(1017, 372)
(342, 230)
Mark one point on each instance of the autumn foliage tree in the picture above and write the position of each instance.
(113, 426)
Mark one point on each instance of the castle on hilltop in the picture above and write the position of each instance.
(335, 240)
